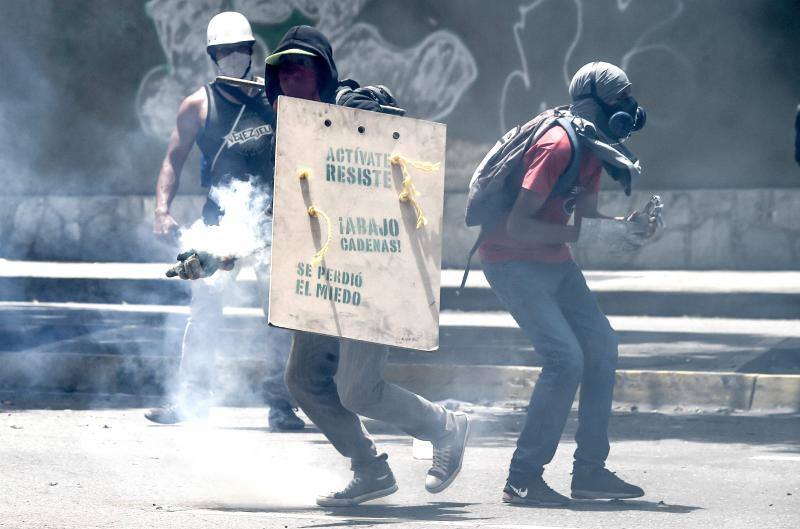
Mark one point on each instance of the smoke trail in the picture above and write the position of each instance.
(244, 229)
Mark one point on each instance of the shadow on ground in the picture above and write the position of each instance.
(441, 512)
(626, 505)
(370, 514)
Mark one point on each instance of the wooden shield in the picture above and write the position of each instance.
(363, 193)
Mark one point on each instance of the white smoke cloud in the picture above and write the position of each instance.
(244, 230)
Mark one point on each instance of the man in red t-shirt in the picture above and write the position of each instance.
(529, 266)
(546, 160)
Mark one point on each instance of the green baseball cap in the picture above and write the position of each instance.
(275, 58)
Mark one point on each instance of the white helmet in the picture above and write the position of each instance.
(228, 27)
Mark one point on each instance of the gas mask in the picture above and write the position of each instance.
(623, 118)
(619, 120)
(236, 63)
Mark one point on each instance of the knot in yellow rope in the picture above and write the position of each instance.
(320, 255)
(409, 192)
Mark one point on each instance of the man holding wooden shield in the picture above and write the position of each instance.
(334, 379)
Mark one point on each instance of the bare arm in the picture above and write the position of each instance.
(640, 224)
(586, 208)
(522, 225)
(189, 122)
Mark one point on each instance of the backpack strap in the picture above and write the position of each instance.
(567, 180)
(485, 229)
(564, 183)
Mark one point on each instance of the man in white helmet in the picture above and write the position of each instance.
(234, 130)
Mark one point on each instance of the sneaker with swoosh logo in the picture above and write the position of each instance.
(533, 492)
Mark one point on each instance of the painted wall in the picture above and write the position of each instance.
(741, 229)
(91, 87)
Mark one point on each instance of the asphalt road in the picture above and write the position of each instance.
(101, 464)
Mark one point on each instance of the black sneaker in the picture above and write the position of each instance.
(282, 418)
(448, 453)
(369, 482)
(175, 413)
(598, 483)
(534, 492)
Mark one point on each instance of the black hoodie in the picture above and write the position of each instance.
(311, 39)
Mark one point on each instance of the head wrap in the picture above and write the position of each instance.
(609, 81)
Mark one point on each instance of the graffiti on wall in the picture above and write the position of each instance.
(540, 20)
(429, 78)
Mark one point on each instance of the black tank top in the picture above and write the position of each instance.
(237, 142)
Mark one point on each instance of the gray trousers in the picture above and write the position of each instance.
(201, 341)
(334, 379)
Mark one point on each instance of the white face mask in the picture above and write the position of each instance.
(235, 64)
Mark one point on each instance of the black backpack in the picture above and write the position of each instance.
(496, 182)
(378, 94)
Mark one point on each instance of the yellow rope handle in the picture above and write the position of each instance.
(320, 255)
(304, 173)
(409, 192)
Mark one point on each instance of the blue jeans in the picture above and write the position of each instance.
(558, 313)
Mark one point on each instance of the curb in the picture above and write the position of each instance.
(653, 389)
(238, 381)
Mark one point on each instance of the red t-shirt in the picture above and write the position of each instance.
(546, 161)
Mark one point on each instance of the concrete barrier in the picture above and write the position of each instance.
(238, 381)
(776, 392)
